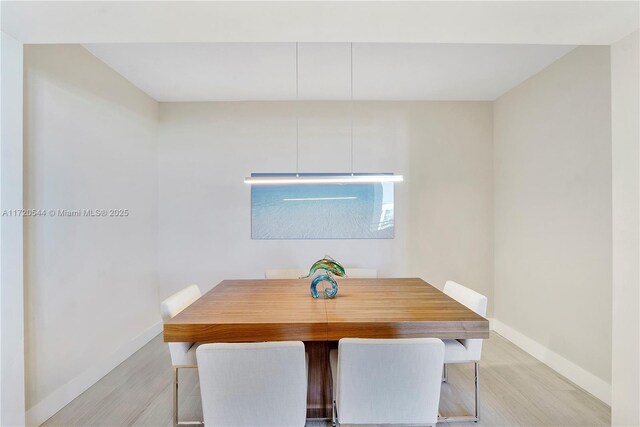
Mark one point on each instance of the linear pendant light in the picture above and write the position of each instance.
(324, 178)
(319, 179)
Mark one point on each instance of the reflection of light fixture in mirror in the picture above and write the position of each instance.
(323, 179)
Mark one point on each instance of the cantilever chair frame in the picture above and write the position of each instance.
(464, 418)
(479, 305)
(169, 308)
(176, 419)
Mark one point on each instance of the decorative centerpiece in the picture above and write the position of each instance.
(329, 267)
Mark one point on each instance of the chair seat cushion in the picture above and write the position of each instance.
(455, 352)
(187, 358)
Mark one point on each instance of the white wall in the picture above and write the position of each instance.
(443, 210)
(91, 283)
(450, 203)
(625, 114)
(12, 404)
(552, 140)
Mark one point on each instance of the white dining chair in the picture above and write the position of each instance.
(295, 273)
(253, 384)
(468, 350)
(361, 273)
(183, 354)
(386, 381)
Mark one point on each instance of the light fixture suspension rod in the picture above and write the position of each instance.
(297, 120)
(351, 102)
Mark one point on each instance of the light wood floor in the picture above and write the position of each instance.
(516, 390)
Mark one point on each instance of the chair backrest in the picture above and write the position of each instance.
(389, 381)
(473, 301)
(172, 306)
(361, 273)
(253, 384)
(294, 273)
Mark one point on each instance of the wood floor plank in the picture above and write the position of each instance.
(516, 390)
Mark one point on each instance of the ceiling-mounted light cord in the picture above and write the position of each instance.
(297, 131)
(351, 103)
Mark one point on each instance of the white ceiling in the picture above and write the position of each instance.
(487, 22)
(381, 71)
(243, 50)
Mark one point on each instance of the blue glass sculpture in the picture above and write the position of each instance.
(328, 292)
(329, 267)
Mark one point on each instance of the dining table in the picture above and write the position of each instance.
(283, 310)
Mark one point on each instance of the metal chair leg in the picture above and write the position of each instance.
(477, 384)
(445, 373)
(465, 418)
(175, 396)
(176, 420)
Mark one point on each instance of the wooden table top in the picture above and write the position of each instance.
(277, 310)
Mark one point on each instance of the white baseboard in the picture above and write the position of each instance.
(57, 400)
(591, 383)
